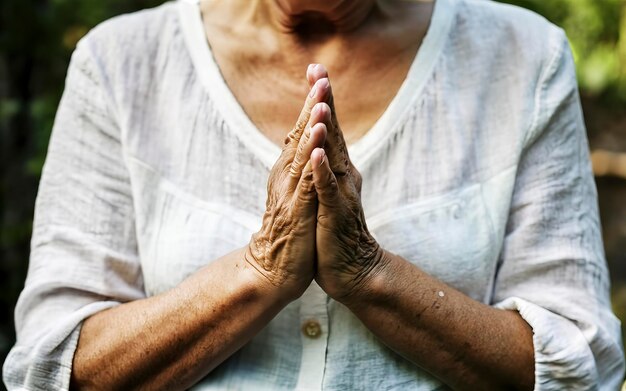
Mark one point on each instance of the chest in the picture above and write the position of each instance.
(274, 101)
(268, 79)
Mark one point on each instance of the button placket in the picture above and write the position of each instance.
(314, 337)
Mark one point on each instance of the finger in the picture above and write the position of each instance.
(315, 139)
(314, 72)
(319, 93)
(320, 115)
(305, 200)
(324, 179)
(336, 147)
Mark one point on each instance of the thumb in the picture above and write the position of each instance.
(324, 179)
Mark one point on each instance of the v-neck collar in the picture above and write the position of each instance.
(362, 149)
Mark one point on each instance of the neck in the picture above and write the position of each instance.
(317, 16)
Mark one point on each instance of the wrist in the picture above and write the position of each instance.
(370, 284)
(232, 279)
(280, 289)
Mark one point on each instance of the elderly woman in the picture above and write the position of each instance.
(430, 221)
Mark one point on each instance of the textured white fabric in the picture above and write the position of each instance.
(478, 173)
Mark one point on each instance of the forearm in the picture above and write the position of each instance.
(172, 340)
(466, 344)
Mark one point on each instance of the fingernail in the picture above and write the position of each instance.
(323, 158)
(323, 83)
(313, 90)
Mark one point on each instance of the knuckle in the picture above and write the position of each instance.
(293, 171)
(323, 218)
(332, 183)
(300, 148)
(291, 136)
(306, 134)
(332, 187)
(306, 181)
(296, 166)
(306, 187)
(302, 121)
(325, 221)
(300, 125)
(305, 196)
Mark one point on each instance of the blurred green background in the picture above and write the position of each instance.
(38, 36)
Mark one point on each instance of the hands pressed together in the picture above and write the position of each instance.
(314, 226)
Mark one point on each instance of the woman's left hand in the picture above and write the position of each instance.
(347, 254)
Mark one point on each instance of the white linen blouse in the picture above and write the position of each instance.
(477, 172)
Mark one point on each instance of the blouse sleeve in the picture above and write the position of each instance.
(83, 250)
(552, 267)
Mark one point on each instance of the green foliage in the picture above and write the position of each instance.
(597, 34)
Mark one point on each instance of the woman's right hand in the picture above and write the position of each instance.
(283, 250)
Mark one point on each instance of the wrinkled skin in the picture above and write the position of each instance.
(347, 254)
(314, 225)
(283, 250)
